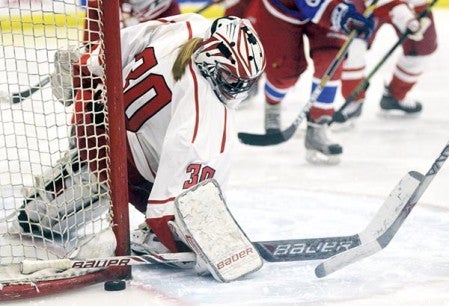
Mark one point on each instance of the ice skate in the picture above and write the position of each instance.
(272, 118)
(346, 117)
(319, 149)
(144, 241)
(405, 107)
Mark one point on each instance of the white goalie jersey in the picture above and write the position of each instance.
(179, 133)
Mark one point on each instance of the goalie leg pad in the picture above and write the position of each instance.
(205, 224)
(52, 205)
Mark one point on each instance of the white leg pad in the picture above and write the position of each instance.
(207, 226)
(63, 196)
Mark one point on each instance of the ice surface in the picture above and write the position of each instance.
(275, 194)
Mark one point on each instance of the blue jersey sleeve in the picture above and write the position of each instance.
(305, 9)
(309, 8)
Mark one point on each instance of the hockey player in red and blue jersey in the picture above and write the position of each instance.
(281, 25)
(416, 51)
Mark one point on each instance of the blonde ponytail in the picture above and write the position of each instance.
(184, 55)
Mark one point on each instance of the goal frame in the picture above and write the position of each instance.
(117, 174)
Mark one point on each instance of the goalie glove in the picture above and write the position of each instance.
(346, 18)
(404, 19)
(62, 78)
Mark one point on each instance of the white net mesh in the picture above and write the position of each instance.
(53, 202)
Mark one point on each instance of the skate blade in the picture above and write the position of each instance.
(317, 158)
(397, 114)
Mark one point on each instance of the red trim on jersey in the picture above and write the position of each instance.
(408, 72)
(163, 20)
(354, 69)
(196, 98)
(223, 140)
(189, 28)
(160, 227)
(161, 201)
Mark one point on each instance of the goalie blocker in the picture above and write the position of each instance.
(204, 223)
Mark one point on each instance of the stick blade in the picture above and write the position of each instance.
(267, 139)
(393, 205)
(346, 258)
(381, 230)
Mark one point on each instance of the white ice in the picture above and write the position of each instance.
(275, 194)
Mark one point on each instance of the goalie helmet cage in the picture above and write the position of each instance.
(35, 135)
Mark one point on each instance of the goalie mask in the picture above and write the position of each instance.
(231, 58)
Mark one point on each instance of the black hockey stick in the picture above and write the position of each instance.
(282, 136)
(395, 221)
(339, 116)
(20, 96)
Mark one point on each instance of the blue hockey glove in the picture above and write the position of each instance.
(346, 18)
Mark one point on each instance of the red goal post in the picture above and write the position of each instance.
(35, 135)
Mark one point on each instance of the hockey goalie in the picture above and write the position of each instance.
(183, 76)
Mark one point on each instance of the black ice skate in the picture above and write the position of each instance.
(399, 107)
(349, 111)
(345, 117)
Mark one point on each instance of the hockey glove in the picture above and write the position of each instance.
(404, 19)
(346, 18)
(61, 79)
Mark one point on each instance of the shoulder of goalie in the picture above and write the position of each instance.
(204, 223)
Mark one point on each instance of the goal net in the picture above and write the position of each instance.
(57, 198)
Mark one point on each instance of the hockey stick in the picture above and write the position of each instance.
(271, 251)
(18, 97)
(31, 266)
(282, 136)
(339, 116)
(207, 6)
(386, 233)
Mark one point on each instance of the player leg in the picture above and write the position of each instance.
(63, 194)
(352, 75)
(60, 196)
(324, 46)
(409, 68)
(285, 63)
